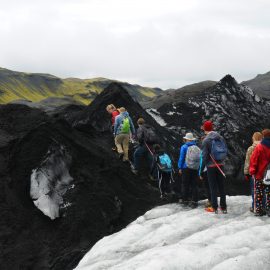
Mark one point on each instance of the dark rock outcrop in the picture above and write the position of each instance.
(236, 111)
(103, 197)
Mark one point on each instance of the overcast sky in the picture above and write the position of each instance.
(163, 43)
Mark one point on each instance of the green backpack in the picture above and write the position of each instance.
(125, 126)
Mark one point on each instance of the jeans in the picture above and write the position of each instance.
(140, 152)
(216, 181)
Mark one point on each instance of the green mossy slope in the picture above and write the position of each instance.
(36, 87)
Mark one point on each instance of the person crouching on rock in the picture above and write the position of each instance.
(259, 169)
(188, 165)
(122, 127)
(163, 165)
(256, 139)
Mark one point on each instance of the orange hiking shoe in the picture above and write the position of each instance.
(211, 210)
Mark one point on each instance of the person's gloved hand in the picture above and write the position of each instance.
(247, 177)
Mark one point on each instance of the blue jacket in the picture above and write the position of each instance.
(118, 122)
(183, 152)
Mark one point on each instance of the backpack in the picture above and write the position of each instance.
(193, 157)
(219, 149)
(266, 177)
(125, 125)
(150, 137)
(165, 163)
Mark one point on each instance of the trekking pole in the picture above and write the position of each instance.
(218, 166)
(149, 149)
(151, 153)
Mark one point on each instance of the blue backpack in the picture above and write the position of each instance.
(165, 163)
(219, 149)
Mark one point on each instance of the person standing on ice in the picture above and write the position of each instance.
(188, 165)
(259, 169)
(122, 128)
(256, 139)
(214, 151)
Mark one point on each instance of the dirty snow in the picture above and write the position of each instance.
(173, 237)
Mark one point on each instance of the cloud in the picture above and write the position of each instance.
(156, 43)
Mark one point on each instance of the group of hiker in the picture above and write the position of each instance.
(205, 162)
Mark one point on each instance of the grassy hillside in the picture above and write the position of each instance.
(36, 87)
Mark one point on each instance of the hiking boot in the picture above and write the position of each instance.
(133, 169)
(223, 210)
(268, 212)
(152, 178)
(207, 204)
(164, 197)
(193, 205)
(121, 155)
(259, 214)
(251, 209)
(211, 210)
(184, 203)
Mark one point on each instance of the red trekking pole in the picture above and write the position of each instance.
(218, 167)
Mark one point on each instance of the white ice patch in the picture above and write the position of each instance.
(50, 181)
(155, 114)
(171, 237)
(257, 98)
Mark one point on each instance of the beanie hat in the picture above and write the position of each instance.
(207, 126)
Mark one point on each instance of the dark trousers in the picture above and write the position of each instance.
(140, 152)
(165, 179)
(206, 185)
(216, 182)
(189, 181)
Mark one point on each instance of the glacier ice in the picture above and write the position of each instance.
(50, 181)
(172, 237)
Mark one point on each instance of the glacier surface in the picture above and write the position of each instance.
(173, 237)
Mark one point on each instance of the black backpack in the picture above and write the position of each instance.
(150, 137)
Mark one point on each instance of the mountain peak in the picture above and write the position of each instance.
(228, 80)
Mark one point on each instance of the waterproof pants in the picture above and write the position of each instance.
(121, 142)
(261, 195)
(165, 179)
(189, 180)
(216, 182)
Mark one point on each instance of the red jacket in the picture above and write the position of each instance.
(114, 114)
(259, 160)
